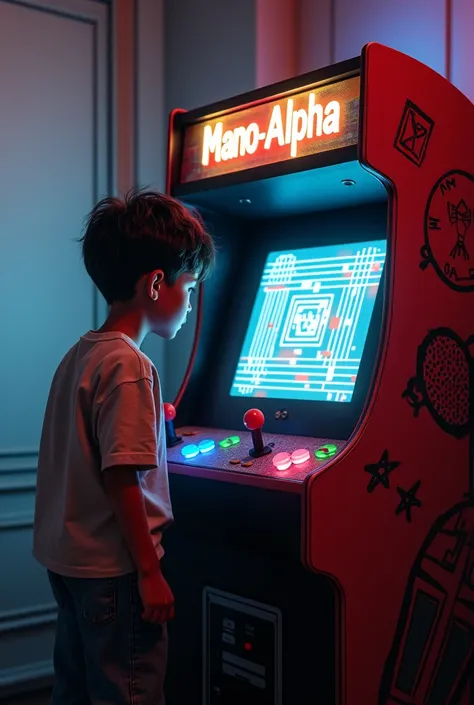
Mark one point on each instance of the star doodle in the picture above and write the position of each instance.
(380, 472)
(408, 500)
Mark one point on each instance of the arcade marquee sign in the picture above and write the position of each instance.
(303, 123)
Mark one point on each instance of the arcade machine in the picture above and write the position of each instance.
(321, 446)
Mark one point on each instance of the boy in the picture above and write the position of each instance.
(102, 499)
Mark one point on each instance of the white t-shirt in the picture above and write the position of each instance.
(104, 409)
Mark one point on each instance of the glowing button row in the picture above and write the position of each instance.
(282, 461)
(192, 450)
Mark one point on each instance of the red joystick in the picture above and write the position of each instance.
(254, 420)
(170, 414)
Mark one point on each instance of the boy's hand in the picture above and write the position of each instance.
(157, 598)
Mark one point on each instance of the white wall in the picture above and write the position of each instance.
(70, 133)
(436, 32)
(56, 161)
(462, 46)
(416, 28)
(150, 119)
(315, 34)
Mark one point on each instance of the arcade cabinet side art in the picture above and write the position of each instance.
(398, 505)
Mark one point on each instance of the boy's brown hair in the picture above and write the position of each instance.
(128, 238)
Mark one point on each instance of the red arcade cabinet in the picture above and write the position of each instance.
(322, 467)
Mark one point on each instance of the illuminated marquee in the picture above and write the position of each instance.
(312, 121)
(296, 126)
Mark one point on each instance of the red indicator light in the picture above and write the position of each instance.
(248, 646)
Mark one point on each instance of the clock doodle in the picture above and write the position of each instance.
(449, 230)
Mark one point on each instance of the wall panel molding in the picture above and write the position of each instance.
(25, 675)
(18, 481)
(23, 519)
(27, 618)
(18, 461)
(18, 452)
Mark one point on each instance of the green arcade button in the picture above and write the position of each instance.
(326, 451)
(229, 442)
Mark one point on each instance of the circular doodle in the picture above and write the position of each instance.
(444, 367)
(449, 230)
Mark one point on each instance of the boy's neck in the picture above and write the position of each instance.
(126, 320)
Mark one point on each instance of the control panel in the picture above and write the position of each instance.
(249, 451)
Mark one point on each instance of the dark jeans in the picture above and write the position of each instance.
(104, 653)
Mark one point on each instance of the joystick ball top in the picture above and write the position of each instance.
(254, 419)
(170, 411)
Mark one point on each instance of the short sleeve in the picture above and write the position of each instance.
(126, 426)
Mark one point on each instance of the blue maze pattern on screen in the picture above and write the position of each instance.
(309, 323)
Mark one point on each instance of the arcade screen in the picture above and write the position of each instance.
(309, 323)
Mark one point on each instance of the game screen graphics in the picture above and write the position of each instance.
(309, 323)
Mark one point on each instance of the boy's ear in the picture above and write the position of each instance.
(154, 280)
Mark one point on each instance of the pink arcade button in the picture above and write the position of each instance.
(282, 461)
(300, 456)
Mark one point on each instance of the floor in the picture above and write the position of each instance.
(39, 698)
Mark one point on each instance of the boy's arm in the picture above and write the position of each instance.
(122, 487)
(126, 427)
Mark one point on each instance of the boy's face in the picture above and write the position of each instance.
(170, 304)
